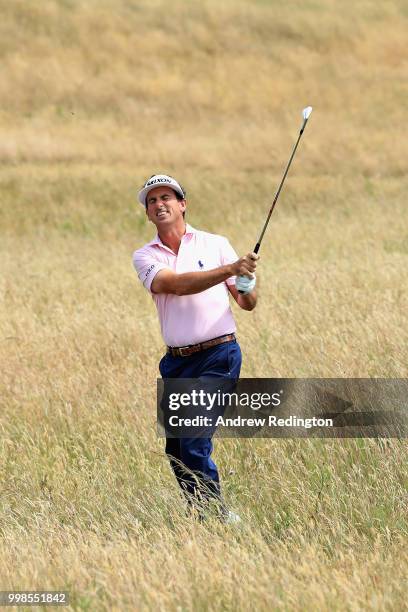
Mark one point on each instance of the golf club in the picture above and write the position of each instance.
(306, 114)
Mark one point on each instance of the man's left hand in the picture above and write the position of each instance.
(244, 284)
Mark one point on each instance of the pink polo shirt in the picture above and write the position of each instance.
(189, 319)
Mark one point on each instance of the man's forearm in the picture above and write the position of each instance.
(188, 283)
(247, 301)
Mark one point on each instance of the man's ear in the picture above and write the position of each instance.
(184, 204)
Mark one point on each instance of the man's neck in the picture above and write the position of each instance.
(172, 237)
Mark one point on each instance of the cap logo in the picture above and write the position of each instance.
(158, 180)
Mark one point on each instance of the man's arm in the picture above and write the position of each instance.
(246, 301)
(167, 281)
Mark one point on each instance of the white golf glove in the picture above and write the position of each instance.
(245, 284)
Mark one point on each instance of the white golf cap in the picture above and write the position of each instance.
(159, 180)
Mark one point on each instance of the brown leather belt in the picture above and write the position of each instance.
(185, 351)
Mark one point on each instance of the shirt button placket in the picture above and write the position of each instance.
(179, 259)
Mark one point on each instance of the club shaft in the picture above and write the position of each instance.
(258, 244)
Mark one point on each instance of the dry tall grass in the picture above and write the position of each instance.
(95, 97)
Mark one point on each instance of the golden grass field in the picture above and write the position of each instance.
(95, 97)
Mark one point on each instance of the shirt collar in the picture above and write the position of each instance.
(189, 231)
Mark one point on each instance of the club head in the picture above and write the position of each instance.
(307, 112)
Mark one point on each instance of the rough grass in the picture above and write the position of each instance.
(96, 96)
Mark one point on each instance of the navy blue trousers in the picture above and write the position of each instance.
(201, 478)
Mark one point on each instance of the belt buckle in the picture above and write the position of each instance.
(181, 349)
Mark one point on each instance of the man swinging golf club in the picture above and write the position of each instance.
(190, 275)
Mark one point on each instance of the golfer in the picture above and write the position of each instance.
(190, 275)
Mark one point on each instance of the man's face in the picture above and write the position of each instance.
(163, 208)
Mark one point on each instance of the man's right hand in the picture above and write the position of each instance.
(245, 266)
